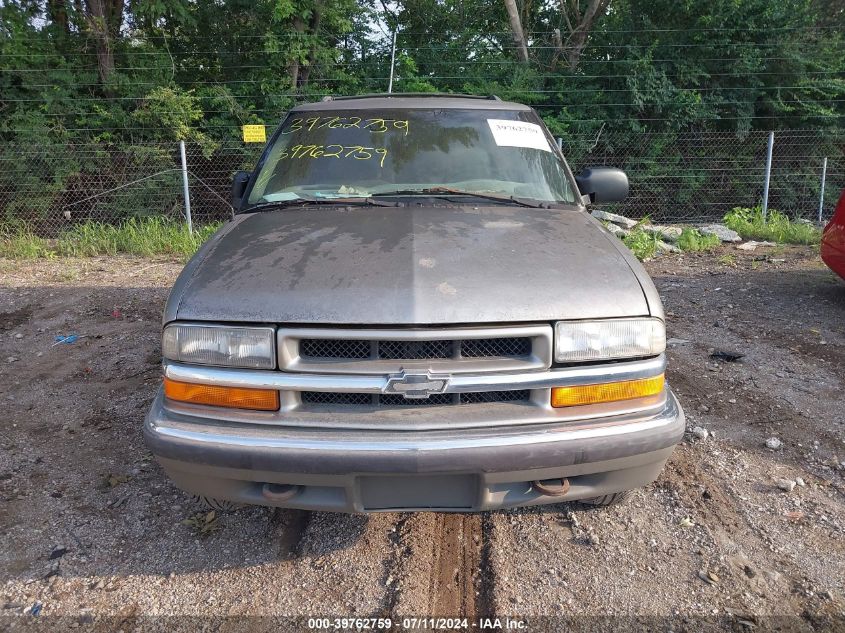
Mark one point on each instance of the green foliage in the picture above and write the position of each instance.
(173, 113)
(151, 236)
(693, 240)
(143, 237)
(21, 243)
(642, 243)
(777, 227)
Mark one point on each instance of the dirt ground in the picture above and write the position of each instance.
(90, 526)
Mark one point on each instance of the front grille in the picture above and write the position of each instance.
(328, 397)
(498, 347)
(442, 350)
(334, 348)
(393, 400)
(415, 350)
(346, 349)
(495, 396)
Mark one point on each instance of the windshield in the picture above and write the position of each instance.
(355, 153)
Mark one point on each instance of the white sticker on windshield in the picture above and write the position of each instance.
(518, 134)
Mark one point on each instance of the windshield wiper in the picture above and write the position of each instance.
(302, 202)
(440, 191)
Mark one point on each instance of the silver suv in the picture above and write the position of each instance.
(413, 310)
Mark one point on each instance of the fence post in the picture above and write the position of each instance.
(821, 194)
(185, 189)
(392, 61)
(768, 175)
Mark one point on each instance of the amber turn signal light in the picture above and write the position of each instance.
(216, 396)
(606, 392)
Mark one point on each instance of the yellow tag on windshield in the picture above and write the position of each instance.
(254, 134)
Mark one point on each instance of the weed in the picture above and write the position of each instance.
(21, 243)
(727, 260)
(642, 243)
(693, 240)
(777, 227)
(203, 523)
(144, 237)
(152, 236)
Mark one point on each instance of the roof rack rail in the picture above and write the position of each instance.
(382, 95)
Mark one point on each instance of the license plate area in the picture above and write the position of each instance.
(418, 492)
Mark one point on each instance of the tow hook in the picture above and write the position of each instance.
(279, 492)
(552, 487)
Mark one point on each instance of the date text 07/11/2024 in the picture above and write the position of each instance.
(417, 623)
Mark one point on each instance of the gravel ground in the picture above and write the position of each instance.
(90, 528)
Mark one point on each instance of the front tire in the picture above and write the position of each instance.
(605, 501)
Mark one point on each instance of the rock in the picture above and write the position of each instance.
(18, 335)
(800, 482)
(12, 359)
(686, 522)
(786, 485)
(663, 247)
(721, 231)
(676, 341)
(774, 443)
(700, 432)
(752, 245)
(668, 233)
(621, 220)
(57, 552)
(726, 355)
(618, 231)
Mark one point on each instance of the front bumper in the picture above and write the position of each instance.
(457, 470)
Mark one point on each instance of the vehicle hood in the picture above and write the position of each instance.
(410, 265)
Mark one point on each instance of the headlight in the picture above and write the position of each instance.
(226, 346)
(608, 339)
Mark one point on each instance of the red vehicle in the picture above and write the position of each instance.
(833, 240)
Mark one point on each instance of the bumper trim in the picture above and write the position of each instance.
(458, 383)
(618, 430)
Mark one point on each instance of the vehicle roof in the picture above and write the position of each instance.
(411, 101)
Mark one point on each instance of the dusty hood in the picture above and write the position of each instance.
(411, 265)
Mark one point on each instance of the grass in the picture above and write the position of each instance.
(144, 237)
(693, 240)
(20, 243)
(642, 243)
(749, 223)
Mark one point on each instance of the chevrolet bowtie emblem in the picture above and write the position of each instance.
(415, 386)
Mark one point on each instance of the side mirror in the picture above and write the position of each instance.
(603, 184)
(239, 183)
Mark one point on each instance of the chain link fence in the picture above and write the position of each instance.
(675, 178)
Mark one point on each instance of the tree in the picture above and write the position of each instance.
(578, 22)
(104, 19)
(516, 29)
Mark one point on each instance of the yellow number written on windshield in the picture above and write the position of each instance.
(358, 152)
(345, 123)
